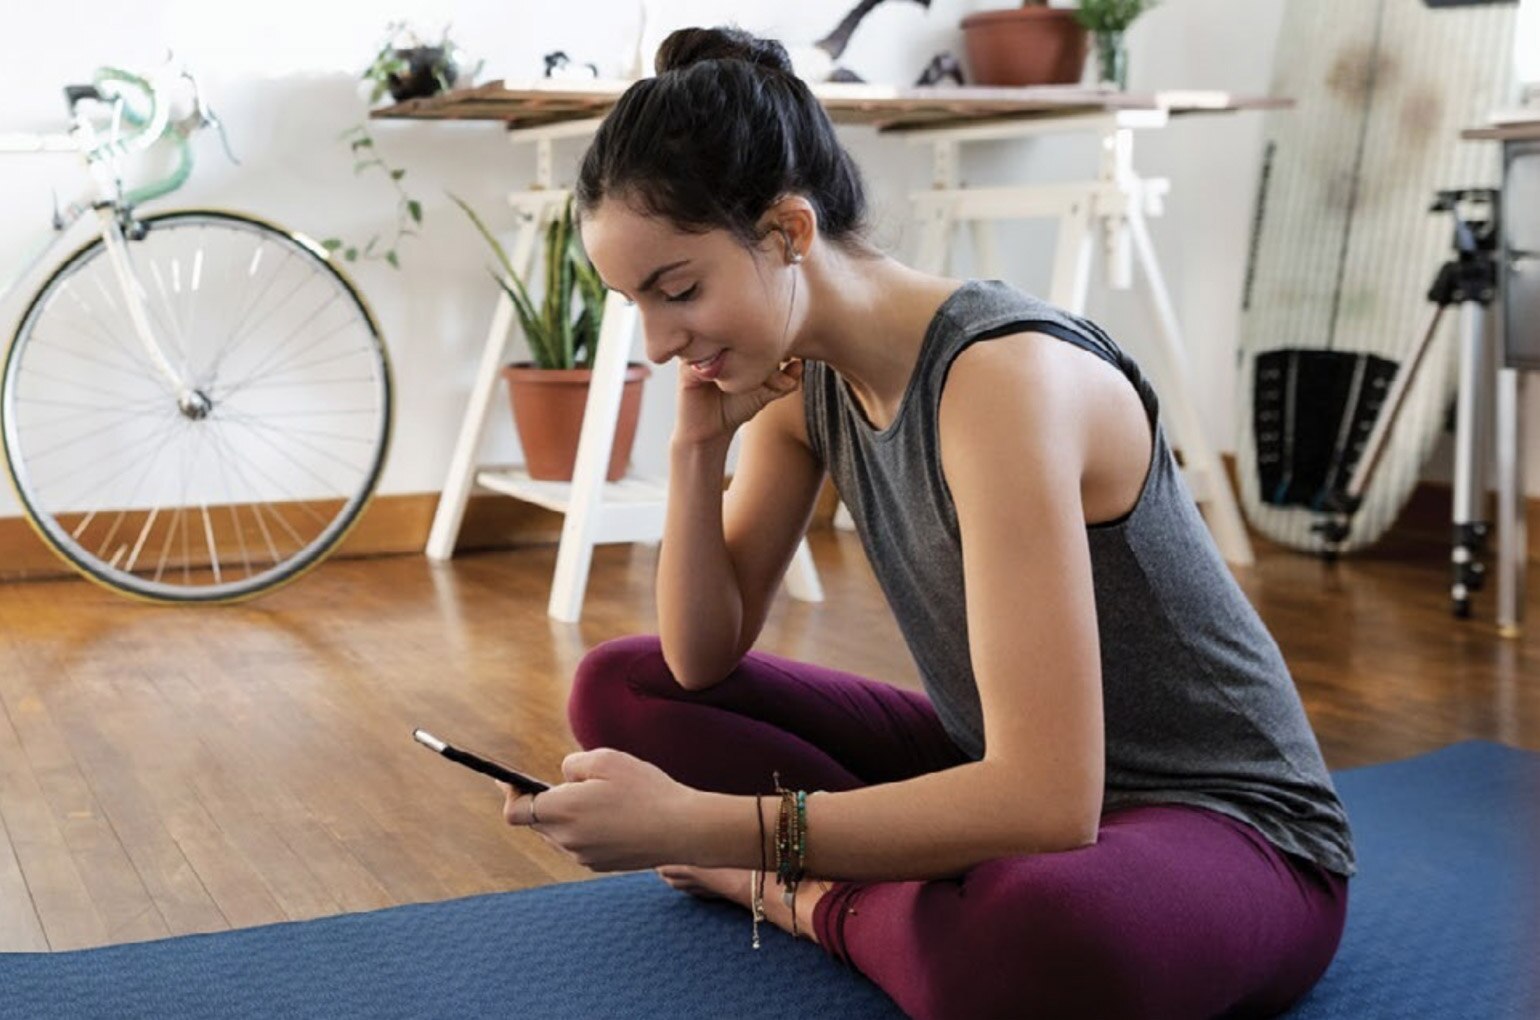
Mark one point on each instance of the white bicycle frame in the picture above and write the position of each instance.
(104, 157)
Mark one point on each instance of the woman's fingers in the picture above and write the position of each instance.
(516, 808)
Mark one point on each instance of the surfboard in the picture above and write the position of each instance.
(1344, 248)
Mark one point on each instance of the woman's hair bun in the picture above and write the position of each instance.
(692, 45)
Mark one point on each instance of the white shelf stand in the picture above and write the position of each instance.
(595, 511)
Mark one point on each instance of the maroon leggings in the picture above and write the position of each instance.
(1175, 911)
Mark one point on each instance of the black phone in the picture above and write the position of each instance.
(481, 763)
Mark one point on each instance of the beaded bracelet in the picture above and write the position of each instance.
(757, 879)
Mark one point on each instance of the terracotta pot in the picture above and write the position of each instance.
(548, 407)
(1025, 46)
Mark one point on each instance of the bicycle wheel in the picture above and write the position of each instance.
(224, 490)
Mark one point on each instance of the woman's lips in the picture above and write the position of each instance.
(711, 367)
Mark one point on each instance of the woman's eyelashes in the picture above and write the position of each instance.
(684, 295)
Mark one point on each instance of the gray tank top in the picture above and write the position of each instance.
(1199, 707)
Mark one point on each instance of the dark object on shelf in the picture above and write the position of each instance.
(428, 71)
(942, 66)
(559, 65)
(1025, 46)
(835, 42)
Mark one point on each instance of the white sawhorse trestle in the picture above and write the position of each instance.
(1117, 203)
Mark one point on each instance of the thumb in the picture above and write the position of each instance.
(581, 765)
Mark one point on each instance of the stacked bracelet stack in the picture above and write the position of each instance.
(790, 845)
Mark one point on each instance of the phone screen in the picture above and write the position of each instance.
(481, 763)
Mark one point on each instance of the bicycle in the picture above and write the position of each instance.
(196, 404)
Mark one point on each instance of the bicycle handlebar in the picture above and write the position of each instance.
(149, 126)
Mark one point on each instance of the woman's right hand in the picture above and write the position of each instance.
(706, 414)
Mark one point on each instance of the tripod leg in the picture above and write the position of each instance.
(1468, 527)
(1512, 546)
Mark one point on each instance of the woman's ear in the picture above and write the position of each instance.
(791, 225)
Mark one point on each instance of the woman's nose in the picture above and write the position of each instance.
(662, 344)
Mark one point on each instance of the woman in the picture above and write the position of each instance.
(1108, 802)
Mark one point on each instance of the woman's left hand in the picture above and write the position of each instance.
(615, 812)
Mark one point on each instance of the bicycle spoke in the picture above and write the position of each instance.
(208, 535)
(267, 384)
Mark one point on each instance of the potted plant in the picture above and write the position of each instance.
(406, 68)
(549, 393)
(1032, 44)
(1108, 20)
(409, 68)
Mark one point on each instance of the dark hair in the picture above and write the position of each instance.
(723, 131)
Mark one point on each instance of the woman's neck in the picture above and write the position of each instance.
(867, 318)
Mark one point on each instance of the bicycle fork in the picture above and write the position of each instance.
(192, 402)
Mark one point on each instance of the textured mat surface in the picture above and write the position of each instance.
(1444, 922)
(1444, 916)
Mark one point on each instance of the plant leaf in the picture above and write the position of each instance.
(414, 207)
(396, 175)
(332, 243)
(395, 263)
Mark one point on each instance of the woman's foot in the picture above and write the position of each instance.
(735, 886)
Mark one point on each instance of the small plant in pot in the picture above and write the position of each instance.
(549, 393)
(408, 67)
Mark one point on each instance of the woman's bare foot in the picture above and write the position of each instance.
(731, 884)
(735, 886)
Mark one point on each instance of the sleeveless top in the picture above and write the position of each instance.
(1199, 707)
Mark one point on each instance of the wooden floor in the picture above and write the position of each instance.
(165, 771)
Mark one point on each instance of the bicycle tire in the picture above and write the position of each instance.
(224, 236)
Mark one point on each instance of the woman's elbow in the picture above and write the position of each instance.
(695, 673)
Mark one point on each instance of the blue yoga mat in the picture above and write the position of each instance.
(1444, 916)
(1444, 922)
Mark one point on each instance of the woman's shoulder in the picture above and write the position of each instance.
(1029, 396)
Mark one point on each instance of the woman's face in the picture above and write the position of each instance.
(720, 308)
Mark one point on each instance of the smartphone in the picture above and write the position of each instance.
(481, 763)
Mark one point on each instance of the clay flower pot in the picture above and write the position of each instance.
(548, 407)
(1025, 46)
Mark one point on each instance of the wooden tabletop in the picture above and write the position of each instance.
(1513, 131)
(542, 102)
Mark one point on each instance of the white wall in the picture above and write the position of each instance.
(282, 75)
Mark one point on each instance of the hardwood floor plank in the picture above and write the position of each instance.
(20, 928)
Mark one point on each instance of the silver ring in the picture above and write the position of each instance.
(534, 819)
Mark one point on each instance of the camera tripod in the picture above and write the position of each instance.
(1468, 280)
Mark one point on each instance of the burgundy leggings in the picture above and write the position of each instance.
(1175, 911)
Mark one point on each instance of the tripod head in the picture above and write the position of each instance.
(1472, 274)
(1475, 217)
